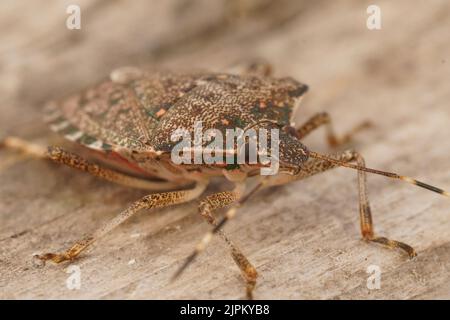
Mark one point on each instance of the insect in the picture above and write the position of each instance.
(127, 120)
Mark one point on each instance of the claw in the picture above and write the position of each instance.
(56, 258)
(69, 255)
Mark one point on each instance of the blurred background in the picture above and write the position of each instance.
(352, 71)
(397, 77)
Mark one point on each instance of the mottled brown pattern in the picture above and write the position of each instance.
(216, 201)
(136, 112)
(301, 237)
(143, 112)
(224, 101)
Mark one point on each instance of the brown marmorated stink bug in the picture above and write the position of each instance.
(129, 118)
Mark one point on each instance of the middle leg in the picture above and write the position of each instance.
(250, 272)
(206, 208)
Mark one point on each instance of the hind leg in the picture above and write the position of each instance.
(25, 151)
(74, 161)
(27, 148)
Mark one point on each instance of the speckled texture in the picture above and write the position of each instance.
(303, 238)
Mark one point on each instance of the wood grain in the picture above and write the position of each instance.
(304, 237)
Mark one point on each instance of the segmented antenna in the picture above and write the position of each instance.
(379, 172)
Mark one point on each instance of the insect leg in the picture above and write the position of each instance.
(157, 200)
(315, 166)
(230, 214)
(72, 160)
(75, 161)
(217, 201)
(23, 146)
(125, 74)
(334, 140)
(255, 67)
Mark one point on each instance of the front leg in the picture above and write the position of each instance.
(315, 166)
(323, 119)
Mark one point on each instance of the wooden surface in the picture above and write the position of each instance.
(303, 238)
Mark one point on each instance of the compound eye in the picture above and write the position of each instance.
(290, 130)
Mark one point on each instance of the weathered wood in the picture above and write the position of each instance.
(304, 237)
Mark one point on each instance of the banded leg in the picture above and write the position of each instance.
(230, 214)
(157, 200)
(25, 148)
(28, 148)
(215, 202)
(323, 118)
(315, 166)
(75, 161)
